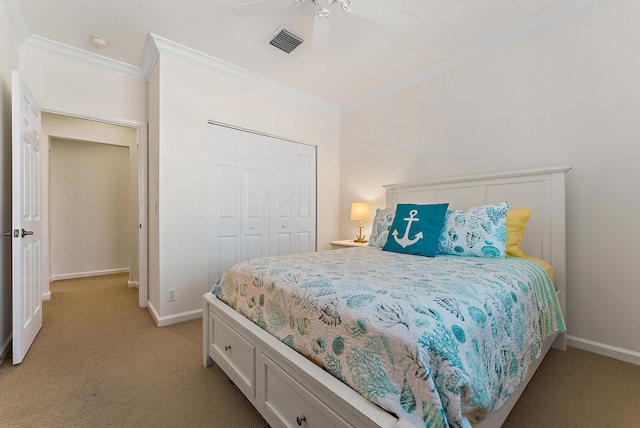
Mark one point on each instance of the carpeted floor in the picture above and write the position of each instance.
(99, 361)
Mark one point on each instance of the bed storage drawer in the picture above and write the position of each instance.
(290, 404)
(234, 354)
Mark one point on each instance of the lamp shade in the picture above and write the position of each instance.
(360, 211)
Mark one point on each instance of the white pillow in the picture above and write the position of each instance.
(479, 231)
(381, 224)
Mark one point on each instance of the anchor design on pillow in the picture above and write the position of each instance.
(404, 242)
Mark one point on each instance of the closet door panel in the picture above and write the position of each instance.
(282, 186)
(255, 219)
(281, 215)
(281, 244)
(304, 242)
(224, 220)
(255, 197)
(262, 197)
(304, 202)
(227, 252)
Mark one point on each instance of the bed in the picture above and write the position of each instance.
(290, 389)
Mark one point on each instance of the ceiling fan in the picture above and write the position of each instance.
(369, 9)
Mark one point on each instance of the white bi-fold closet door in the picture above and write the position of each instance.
(261, 197)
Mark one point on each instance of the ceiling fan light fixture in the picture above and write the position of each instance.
(373, 10)
(98, 41)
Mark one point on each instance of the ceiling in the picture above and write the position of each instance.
(363, 55)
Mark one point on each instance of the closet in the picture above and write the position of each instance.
(261, 197)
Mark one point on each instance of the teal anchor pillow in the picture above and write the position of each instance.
(479, 231)
(416, 229)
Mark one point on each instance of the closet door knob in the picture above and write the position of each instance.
(284, 226)
(253, 228)
(301, 419)
(227, 347)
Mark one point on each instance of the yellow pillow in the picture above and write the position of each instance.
(516, 222)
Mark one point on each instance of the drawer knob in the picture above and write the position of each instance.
(301, 419)
(227, 347)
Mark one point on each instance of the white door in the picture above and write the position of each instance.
(304, 198)
(293, 201)
(238, 199)
(254, 197)
(282, 185)
(26, 218)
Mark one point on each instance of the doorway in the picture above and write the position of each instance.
(89, 209)
(94, 149)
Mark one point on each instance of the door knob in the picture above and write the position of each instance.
(26, 232)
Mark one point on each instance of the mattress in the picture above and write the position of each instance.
(438, 341)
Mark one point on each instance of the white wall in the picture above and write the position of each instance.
(569, 95)
(71, 128)
(154, 182)
(64, 85)
(189, 96)
(8, 61)
(89, 208)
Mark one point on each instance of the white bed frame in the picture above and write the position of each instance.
(289, 390)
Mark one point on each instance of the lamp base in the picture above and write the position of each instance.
(360, 237)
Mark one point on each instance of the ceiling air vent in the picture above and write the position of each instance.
(285, 40)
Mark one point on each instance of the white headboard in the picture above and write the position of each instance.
(541, 190)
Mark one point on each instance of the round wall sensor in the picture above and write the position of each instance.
(98, 41)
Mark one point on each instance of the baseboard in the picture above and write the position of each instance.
(5, 347)
(172, 319)
(133, 284)
(46, 295)
(87, 274)
(621, 354)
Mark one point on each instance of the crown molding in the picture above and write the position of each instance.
(541, 22)
(156, 44)
(184, 53)
(149, 57)
(75, 54)
(18, 18)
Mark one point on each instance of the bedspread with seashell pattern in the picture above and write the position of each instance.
(438, 341)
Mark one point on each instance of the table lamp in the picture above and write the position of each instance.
(360, 211)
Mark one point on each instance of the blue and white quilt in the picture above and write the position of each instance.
(438, 341)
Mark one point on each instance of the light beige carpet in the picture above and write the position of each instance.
(575, 388)
(99, 361)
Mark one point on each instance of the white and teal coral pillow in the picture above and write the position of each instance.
(479, 231)
(381, 224)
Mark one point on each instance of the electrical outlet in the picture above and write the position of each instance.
(171, 295)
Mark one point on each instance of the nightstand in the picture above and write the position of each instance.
(346, 243)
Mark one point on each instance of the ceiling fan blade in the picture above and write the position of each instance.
(257, 6)
(379, 12)
(321, 31)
